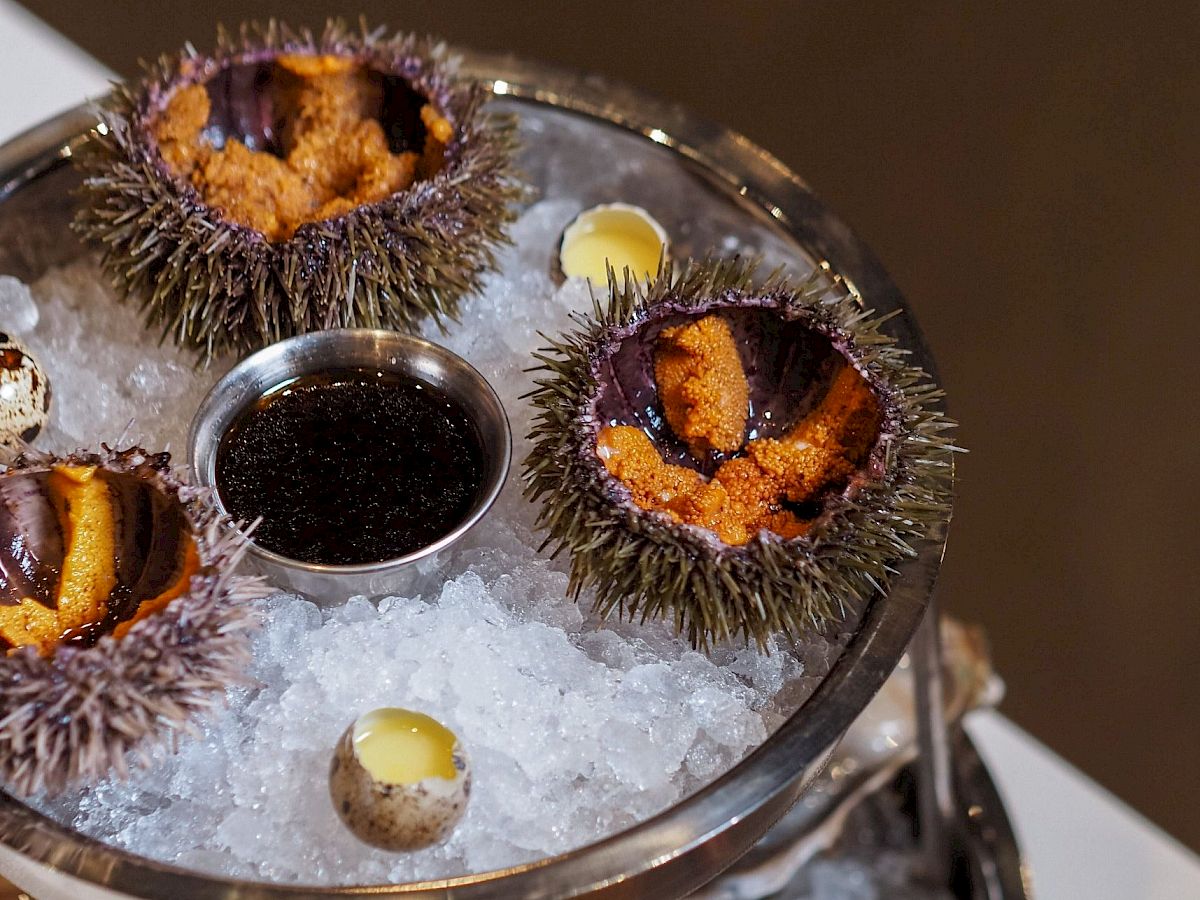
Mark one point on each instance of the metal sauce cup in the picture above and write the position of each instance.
(321, 351)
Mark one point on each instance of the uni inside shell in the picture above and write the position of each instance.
(24, 394)
(837, 463)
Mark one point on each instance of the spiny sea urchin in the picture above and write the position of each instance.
(374, 187)
(120, 617)
(836, 463)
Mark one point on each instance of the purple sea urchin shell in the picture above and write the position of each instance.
(88, 710)
(219, 286)
(791, 336)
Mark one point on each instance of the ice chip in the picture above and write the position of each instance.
(18, 311)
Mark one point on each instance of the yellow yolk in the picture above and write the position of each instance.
(618, 236)
(399, 746)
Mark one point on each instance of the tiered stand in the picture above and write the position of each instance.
(688, 845)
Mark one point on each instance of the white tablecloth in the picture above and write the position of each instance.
(1078, 840)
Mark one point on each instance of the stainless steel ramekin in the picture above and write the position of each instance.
(321, 351)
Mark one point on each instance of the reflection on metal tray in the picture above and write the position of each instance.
(856, 829)
(686, 845)
(879, 831)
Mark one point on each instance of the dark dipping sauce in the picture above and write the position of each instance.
(351, 466)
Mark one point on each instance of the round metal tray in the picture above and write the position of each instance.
(688, 844)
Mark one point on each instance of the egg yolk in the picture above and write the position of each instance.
(618, 237)
(399, 746)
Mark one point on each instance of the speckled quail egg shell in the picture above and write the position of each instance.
(24, 393)
(396, 816)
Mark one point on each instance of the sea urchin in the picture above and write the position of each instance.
(739, 459)
(120, 617)
(287, 183)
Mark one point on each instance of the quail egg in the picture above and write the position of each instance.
(24, 394)
(399, 779)
(616, 234)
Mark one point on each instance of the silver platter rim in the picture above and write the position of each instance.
(987, 852)
(685, 846)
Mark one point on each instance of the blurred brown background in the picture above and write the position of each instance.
(1029, 176)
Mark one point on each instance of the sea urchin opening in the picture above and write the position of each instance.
(87, 551)
(282, 141)
(740, 457)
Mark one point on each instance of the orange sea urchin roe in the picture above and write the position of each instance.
(336, 155)
(747, 494)
(83, 504)
(702, 386)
